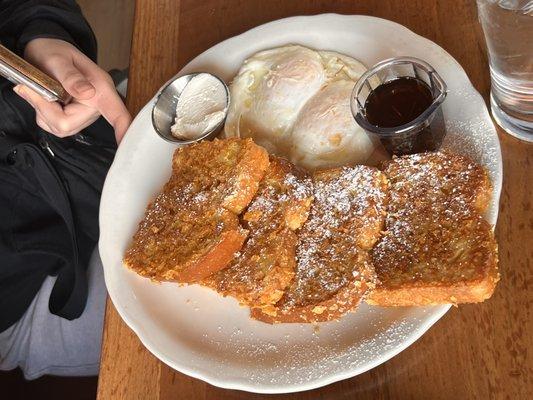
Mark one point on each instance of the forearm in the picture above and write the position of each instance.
(24, 20)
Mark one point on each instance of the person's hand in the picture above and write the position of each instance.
(92, 90)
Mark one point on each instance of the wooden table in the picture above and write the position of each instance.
(475, 351)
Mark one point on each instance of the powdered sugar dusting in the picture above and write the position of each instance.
(433, 220)
(287, 354)
(265, 266)
(286, 185)
(346, 216)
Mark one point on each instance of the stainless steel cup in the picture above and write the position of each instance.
(164, 110)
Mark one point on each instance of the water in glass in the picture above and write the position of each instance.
(508, 28)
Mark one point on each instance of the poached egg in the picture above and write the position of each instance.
(295, 102)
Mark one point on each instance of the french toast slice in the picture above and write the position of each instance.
(264, 267)
(333, 266)
(436, 248)
(226, 171)
(192, 230)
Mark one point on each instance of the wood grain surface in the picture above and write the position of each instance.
(475, 351)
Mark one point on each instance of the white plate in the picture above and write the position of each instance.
(201, 334)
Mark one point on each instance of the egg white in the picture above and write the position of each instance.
(269, 92)
(326, 134)
(295, 102)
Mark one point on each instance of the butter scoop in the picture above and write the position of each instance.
(190, 108)
(201, 106)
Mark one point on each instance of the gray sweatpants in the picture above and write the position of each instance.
(41, 343)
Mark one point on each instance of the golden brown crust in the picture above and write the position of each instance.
(216, 258)
(424, 293)
(313, 250)
(333, 269)
(443, 178)
(436, 246)
(265, 266)
(192, 229)
(261, 271)
(228, 171)
(342, 302)
(421, 293)
(461, 292)
(249, 173)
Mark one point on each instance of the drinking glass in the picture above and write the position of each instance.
(508, 29)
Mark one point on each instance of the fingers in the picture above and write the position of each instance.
(39, 103)
(108, 102)
(77, 117)
(92, 90)
(41, 123)
(55, 119)
(56, 57)
(74, 81)
(89, 86)
(114, 111)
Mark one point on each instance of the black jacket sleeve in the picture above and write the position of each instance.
(24, 20)
(41, 233)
